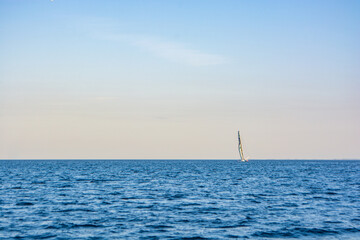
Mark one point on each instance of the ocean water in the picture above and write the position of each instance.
(179, 199)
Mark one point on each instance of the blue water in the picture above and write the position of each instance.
(179, 199)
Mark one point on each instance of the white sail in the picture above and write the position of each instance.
(241, 151)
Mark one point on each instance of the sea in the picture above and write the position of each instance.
(179, 199)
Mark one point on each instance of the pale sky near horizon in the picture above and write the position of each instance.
(177, 79)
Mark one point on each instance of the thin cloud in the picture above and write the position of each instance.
(176, 52)
(172, 51)
(105, 98)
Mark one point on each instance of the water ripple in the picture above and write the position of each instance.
(179, 200)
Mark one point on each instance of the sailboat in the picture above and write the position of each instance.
(241, 151)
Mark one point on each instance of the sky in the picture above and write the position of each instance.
(177, 79)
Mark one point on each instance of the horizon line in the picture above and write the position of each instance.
(182, 159)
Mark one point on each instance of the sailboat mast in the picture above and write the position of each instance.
(241, 152)
(239, 145)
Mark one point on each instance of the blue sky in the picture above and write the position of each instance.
(176, 79)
